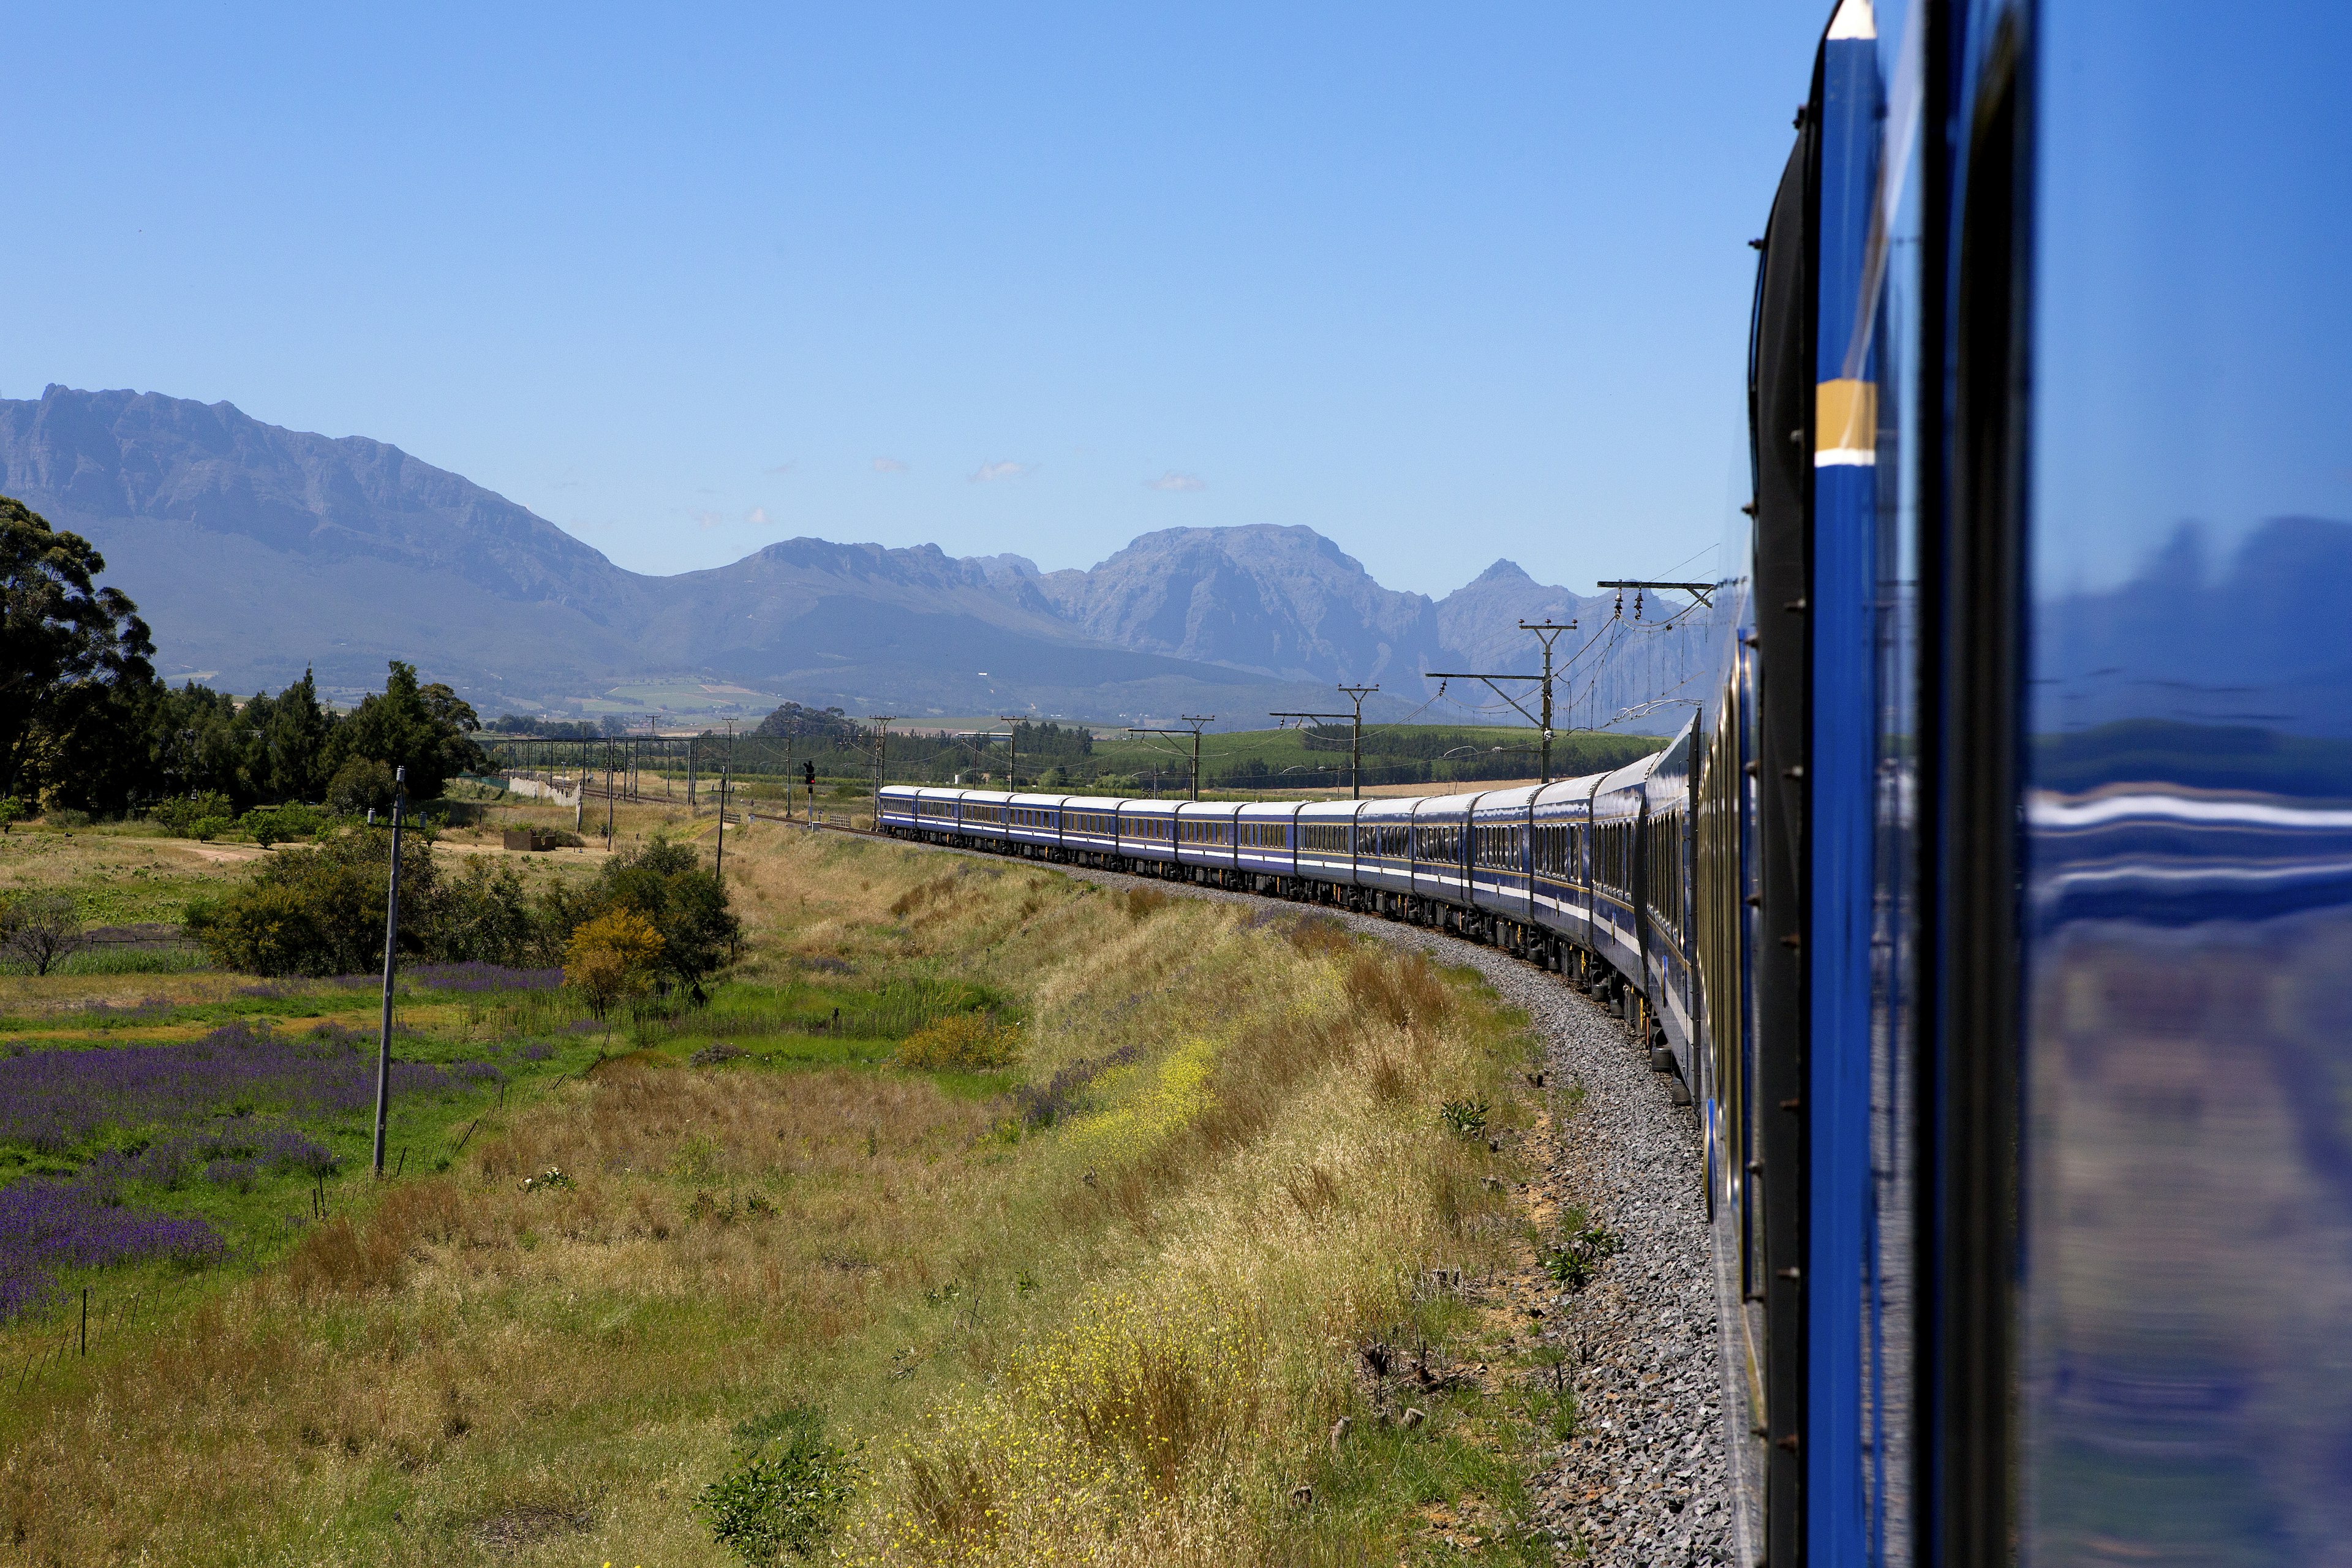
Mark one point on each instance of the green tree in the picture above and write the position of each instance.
(427, 729)
(362, 784)
(291, 732)
(320, 910)
(666, 883)
(63, 639)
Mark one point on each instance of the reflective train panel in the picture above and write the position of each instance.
(1993, 906)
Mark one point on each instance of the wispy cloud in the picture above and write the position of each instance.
(891, 465)
(1005, 470)
(1173, 480)
(708, 519)
(783, 467)
(757, 517)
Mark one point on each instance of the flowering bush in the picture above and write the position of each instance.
(612, 956)
(962, 1042)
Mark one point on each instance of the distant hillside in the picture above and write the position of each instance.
(256, 552)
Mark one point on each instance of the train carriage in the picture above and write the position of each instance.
(985, 815)
(1035, 822)
(1440, 848)
(1265, 840)
(1204, 835)
(1090, 826)
(898, 808)
(1666, 893)
(1384, 849)
(1147, 832)
(1619, 803)
(1326, 834)
(1560, 817)
(1502, 879)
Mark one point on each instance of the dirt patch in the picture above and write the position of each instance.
(216, 854)
(511, 1529)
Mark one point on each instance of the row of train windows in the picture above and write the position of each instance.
(1323, 837)
(1101, 822)
(1149, 828)
(1613, 854)
(1500, 846)
(1439, 844)
(1204, 830)
(1266, 835)
(943, 808)
(1559, 849)
(1662, 847)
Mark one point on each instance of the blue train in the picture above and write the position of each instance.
(1995, 909)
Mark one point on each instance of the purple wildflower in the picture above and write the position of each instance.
(53, 1099)
(49, 1225)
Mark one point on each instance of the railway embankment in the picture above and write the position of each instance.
(1631, 1326)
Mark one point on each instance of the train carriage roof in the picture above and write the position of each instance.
(1566, 794)
(1506, 802)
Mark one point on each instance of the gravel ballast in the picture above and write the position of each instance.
(1645, 1478)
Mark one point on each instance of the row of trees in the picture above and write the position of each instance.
(85, 724)
(320, 911)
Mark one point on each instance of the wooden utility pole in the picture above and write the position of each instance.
(1355, 743)
(390, 958)
(726, 778)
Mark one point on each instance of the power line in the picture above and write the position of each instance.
(1356, 742)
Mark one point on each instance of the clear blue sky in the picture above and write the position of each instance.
(1444, 283)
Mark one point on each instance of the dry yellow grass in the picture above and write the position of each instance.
(1121, 1337)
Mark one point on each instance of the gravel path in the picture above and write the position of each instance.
(1644, 1479)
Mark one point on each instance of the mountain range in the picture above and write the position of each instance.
(256, 552)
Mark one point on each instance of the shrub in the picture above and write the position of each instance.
(484, 917)
(180, 817)
(1465, 1117)
(612, 957)
(320, 911)
(786, 1489)
(39, 928)
(962, 1042)
(666, 884)
(362, 784)
(1141, 902)
(271, 824)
